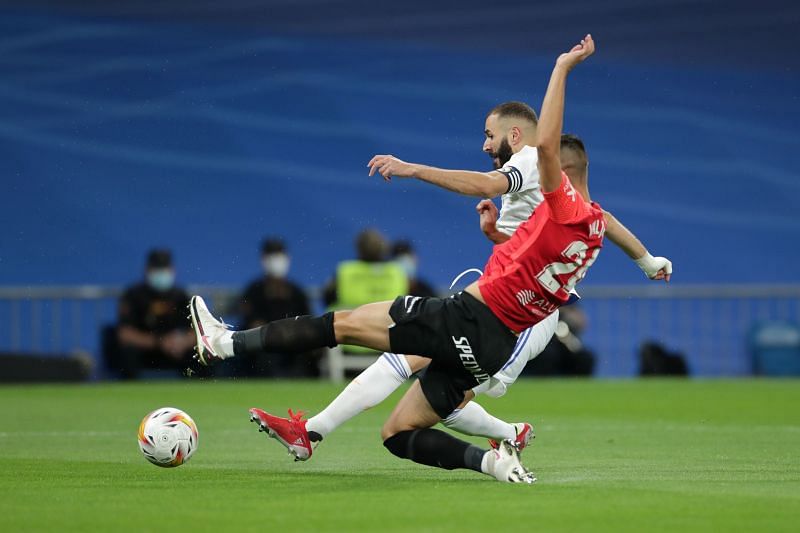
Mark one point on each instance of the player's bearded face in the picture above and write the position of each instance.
(503, 153)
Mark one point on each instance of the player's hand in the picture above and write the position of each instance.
(656, 268)
(388, 166)
(578, 53)
(487, 213)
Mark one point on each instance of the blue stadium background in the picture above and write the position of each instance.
(204, 126)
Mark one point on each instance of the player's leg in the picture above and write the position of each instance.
(408, 435)
(472, 419)
(366, 326)
(368, 389)
(297, 434)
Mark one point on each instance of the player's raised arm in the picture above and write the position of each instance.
(655, 268)
(471, 183)
(552, 115)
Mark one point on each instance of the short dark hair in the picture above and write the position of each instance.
(159, 258)
(515, 110)
(573, 142)
(402, 247)
(371, 246)
(273, 245)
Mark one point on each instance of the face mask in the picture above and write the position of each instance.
(161, 280)
(275, 265)
(408, 264)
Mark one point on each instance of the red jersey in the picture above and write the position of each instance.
(530, 276)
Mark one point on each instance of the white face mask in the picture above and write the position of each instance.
(161, 279)
(408, 264)
(275, 265)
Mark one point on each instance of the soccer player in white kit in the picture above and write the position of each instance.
(510, 131)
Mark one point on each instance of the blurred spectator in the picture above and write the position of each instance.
(565, 354)
(370, 278)
(404, 255)
(153, 332)
(272, 297)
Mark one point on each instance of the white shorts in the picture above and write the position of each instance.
(531, 343)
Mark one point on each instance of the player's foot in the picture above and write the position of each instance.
(208, 331)
(291, 432)
(504, 464)
(523, 438)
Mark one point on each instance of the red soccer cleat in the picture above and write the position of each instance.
(524, 436)
(291, 432)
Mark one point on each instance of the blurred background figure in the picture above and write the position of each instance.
(152, 332)
(271, 297)
(403, 254)
(565, 354)
(372, 277)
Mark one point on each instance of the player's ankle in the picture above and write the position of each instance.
(226, 345)
(487, 462)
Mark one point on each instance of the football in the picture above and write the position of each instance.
(168, 437)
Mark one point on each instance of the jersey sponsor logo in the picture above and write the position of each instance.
(468, 359)
(534, 303)
(525, 296)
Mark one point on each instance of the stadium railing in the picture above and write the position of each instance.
(710, 324)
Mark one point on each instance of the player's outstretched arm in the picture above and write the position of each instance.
(552, 115)
(655, 268)
(471, 183)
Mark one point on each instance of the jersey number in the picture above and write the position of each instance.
(578, 264)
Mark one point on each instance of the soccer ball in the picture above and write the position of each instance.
(167, 437)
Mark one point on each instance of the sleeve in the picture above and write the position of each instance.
(521, 171)
(565, 203)
(126, 310)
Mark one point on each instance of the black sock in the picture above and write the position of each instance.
(435, 448)
(290, 335)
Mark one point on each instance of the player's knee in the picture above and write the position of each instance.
(388, 431)
(417, 363)
(343, 326)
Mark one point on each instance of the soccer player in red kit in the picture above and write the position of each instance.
(468, 336)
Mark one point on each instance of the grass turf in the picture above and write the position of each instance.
(616, 456)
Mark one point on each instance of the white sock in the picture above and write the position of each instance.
(474, 420)
(225, 343)
(487, 463)
(368, 389)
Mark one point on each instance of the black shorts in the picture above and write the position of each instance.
(465, 341)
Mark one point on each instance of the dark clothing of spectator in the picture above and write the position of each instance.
(269, 299)
(151, 312)
(418, 287)
(272, 298)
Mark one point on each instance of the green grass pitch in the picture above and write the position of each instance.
(610, 456)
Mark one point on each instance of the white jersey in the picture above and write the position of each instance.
(523, 196)
(524, 192)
